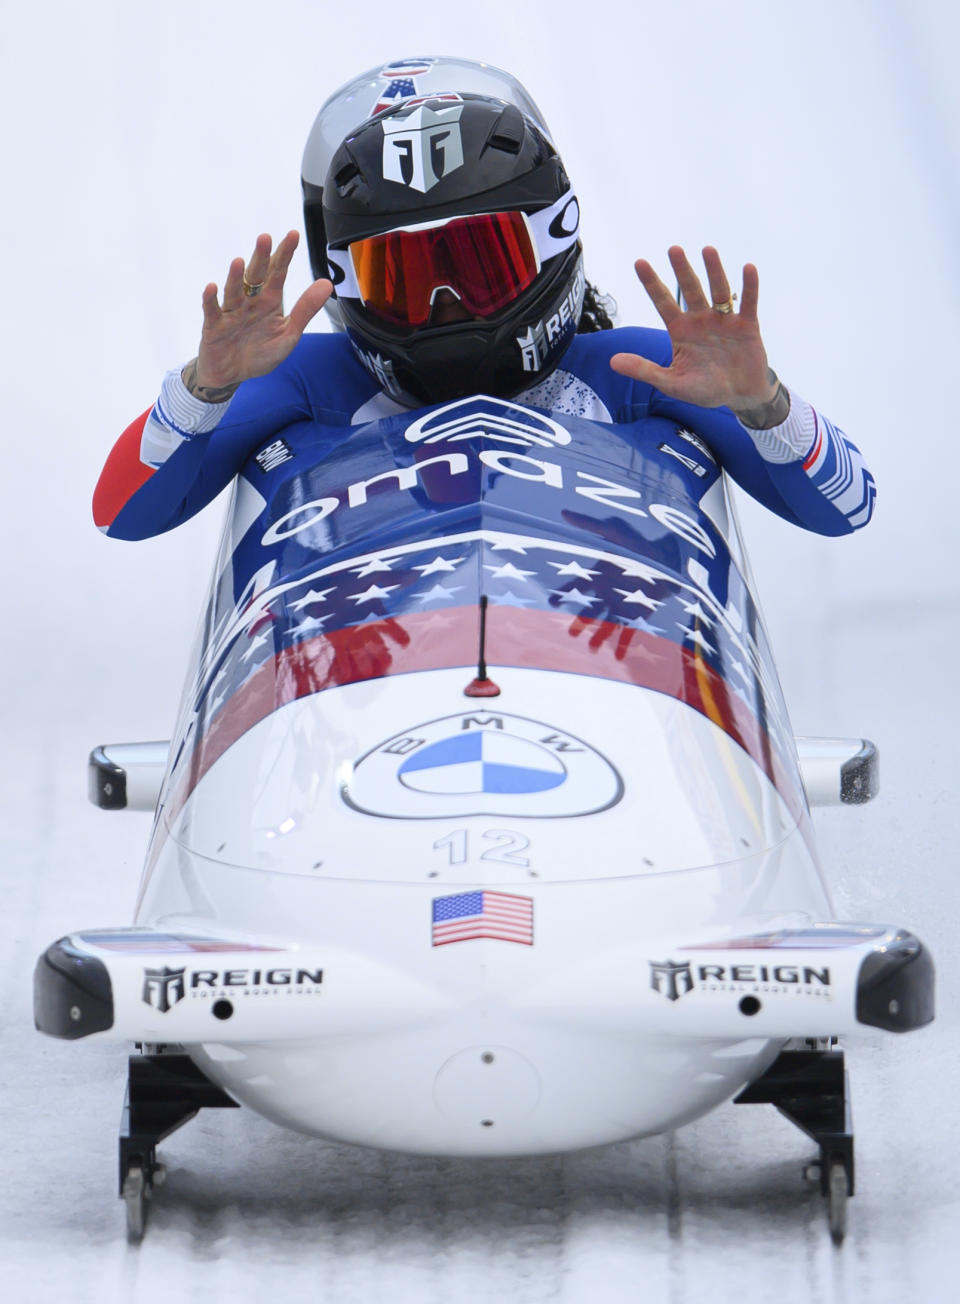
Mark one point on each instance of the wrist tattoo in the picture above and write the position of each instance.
(205, 393)
(763, 416)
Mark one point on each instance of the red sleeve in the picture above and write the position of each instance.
(122, 475)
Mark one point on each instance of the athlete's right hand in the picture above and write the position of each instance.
(248, 335)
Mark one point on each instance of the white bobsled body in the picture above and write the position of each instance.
(553, 1000)
(508, 852)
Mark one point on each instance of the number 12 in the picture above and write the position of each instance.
(506, 851)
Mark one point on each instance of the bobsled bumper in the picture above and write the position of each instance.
(142, 985)
(138, 984)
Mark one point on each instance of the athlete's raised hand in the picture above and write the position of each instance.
(247, 334)
(718, 355)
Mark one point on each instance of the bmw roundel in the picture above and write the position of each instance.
(482, 763)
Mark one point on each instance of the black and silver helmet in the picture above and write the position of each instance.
(387, 85)
(376, 90)
(450, 231)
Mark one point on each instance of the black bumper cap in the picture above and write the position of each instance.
(895, 986)
(72, 995)
(107, 781)
(860, 776)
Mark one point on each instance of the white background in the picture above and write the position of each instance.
(144, 145)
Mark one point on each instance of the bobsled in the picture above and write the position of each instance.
(482, 830)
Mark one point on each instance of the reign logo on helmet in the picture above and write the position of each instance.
(382, 371)
(537, 342)
(423, 145)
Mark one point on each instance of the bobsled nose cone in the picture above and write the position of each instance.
(487, 1087)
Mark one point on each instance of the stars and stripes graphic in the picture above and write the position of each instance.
(605, 588)
(498, 916)
(400, 82)
(366, 609)
(584, 586)
(553, 605)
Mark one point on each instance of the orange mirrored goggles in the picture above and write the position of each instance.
(486, 260)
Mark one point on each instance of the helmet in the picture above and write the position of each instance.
(384, 87)
(371, 93)
(460, 193)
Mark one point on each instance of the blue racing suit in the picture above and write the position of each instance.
(182, 452)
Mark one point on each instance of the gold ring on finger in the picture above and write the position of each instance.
(251, 291)
(726, 306)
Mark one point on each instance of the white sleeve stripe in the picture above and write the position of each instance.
(848, 484)
(866, 511)
(792, 439)
(851, 496)
(159, 440)
(176, 416)
(186, 414)
(843, 475)
(835, 467)
(857, 502)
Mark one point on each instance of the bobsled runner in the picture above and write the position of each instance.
(482, 830)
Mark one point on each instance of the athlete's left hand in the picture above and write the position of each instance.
(718, 357)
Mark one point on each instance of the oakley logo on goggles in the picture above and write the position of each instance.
(486, 259)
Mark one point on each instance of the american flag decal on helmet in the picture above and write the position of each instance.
(401, 84)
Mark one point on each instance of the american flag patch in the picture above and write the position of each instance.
(497, 915)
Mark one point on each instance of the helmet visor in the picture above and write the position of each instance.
(486, 260)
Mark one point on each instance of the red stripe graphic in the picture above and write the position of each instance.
(817, 444)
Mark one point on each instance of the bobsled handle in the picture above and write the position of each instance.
(127, 776)
(839, 771)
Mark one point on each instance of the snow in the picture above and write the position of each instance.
(146, 145)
